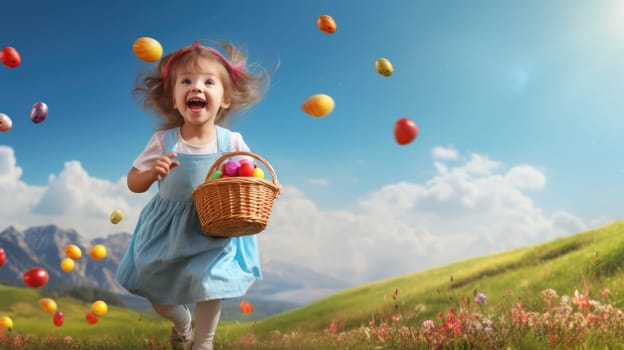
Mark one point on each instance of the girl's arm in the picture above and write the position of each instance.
(140, 181)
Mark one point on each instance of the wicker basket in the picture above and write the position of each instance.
(235, 206)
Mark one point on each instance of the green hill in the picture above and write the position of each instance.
(589, 262)
(595, 256)
(22, 306)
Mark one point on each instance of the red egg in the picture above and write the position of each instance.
(2, 257)
(36, 277)
(405, 131)
(246, 169)
(10, 57)
(91, 318)
(58, 319)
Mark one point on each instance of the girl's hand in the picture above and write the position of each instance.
(279, 190)
(163, 165)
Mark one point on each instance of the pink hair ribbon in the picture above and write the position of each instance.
(235, 70)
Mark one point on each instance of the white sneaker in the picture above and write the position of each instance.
(181, 341)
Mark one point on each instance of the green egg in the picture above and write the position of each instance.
(216, 175)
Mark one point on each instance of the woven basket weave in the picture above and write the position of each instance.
(235, 206)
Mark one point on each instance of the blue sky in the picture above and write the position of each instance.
(518, 103)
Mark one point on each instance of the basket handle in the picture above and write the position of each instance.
(227, 155)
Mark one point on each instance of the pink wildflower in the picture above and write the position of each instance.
(581, 300)
(428, 324)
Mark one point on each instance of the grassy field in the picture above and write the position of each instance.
(436, 308)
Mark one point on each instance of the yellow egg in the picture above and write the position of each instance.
(6, 322)
(67, 264)
(318, 105)
(98, 252)
(259, 173)
(384, 67)
(73, 251)
(99, 308)
(48, 305)
(147, 49)
(116, 216)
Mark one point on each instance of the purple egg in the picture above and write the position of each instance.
(39, 112)
(231, 168)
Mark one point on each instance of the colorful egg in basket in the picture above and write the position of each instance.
(235, 206)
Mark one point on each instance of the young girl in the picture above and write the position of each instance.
(169, 260)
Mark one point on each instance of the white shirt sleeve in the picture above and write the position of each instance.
(154, 149)
(238, 144)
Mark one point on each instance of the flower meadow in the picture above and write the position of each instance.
(558, 321)
(561, 322)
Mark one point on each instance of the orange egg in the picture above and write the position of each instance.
(73, 251)
(246, 307)
(98, 252)
(48, 305)
(147, 49)
(318, 105)
(326, 24)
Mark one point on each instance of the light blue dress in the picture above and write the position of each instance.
(169, 260)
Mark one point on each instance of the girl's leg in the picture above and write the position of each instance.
(180, 315)
(207, 315)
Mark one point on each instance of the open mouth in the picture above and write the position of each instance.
(196, 104)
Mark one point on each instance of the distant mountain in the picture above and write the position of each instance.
(44, 246)
(284, 285)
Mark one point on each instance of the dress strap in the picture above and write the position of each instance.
(224, 143)
(171, 138)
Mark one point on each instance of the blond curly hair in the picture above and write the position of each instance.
(242, 88)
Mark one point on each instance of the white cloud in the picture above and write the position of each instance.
(472, 209)
(469, 208)
(442, 153)
(73, 199)
(319, 181)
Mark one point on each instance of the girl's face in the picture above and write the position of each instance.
(198, 92)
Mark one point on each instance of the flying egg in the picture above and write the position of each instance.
(36, 277)
(98, 252)
(5, 122)
(384, 67)
(318, 105)
(405, 131)
(67, 264)
(38, 112)
(326, 24)
(246, 307)
(48, 305)
(99, 308)
(73, 251)
(147, 49)
(116, 216)
(10, 57)
(6, 322)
